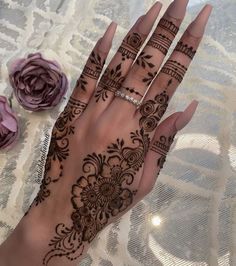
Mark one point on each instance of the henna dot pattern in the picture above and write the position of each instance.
(185, 49)
(168, 26)
(162, 147)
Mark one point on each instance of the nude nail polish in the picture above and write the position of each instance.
(149, 18)
(106, 40)
(186, 116)
(177, 9)
(197, 27)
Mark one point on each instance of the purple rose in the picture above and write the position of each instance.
(38, 83)
(9, 130)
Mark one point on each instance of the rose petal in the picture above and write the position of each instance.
(9, 131)
(38, 83)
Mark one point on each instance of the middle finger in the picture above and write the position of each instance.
(150, 59)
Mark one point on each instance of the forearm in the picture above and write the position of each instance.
(28, 244)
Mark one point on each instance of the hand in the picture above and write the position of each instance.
(106, 150)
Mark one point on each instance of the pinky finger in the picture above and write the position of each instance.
(160, 145)
(87, 81)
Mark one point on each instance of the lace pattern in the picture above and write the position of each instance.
(195, 195)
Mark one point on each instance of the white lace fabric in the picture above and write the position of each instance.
(189, 218)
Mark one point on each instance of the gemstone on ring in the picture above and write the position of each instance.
(128, 98)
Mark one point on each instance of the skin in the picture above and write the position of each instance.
(105, 153)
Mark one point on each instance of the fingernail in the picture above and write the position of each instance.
(197, 27)
(186, 116)
(106, 40)
(177, 9)
(149, 19)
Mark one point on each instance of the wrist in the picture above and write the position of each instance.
(29, 242)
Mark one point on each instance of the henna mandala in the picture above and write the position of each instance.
(162, 146)
(174, 69)
(111, 81)
(185, 49)
(168, 26)
(59, 145)
(152, 110)
(130, 46)
(142, 60)
(160, 42)
(150, 76)
(100, 193)
(98, 64)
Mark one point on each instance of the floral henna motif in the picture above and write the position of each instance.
(130, 46)
(93, 73)
(150, 77)
(162, 147)
(103, 191)
(152, 110)
(111, 81)
(59, 145)
(142, 60)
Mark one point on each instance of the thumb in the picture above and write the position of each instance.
(160, 145)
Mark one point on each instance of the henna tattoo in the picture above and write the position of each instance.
(152, 110)
(174, 69)
(150, 76)
(130, 46)
(185, 49)
(162, 147)
(132, 91)
(59, 145)
(81, 82)
(110, 81)
(142, 60)
(160, 42)
(88, 72)
(169, 26)
(101, 193)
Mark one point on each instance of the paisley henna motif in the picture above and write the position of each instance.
(59, 145)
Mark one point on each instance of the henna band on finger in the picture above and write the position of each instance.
(185, 49)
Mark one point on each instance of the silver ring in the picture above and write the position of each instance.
(128, 98)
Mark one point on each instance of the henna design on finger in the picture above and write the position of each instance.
(132, 91)
(102, 192)
(150, 77)
(92, 72)
(59, 145)
(174, 69)
(142, 60)
(110, 81)
(162, 147)
(130, 46)
(185, 49)
(168, 26)
(152, 110)
(160, 42)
